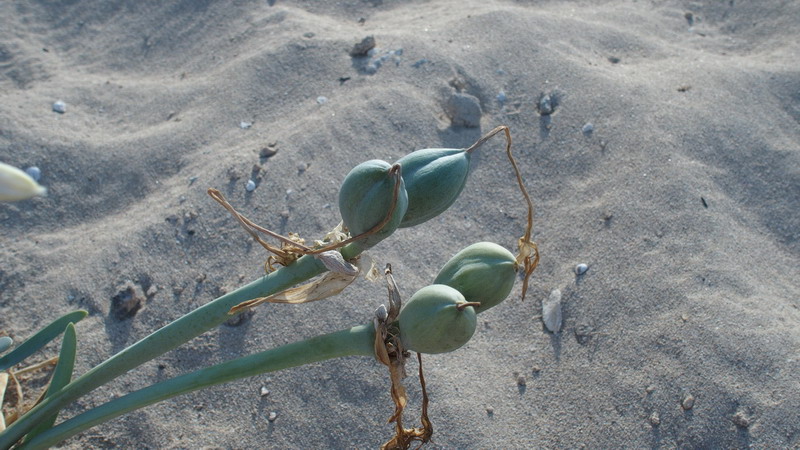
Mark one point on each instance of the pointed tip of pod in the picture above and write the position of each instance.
(17, 185)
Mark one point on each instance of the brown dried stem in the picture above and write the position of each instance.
(486, 137)
(249, 226)
(389, 351)
(394, 171)
(528, 256)
(427, 426)
(526, 245)
(294, 246)
(20, 398)
(48, 362)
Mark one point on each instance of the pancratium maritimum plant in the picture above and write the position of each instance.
(375, 199)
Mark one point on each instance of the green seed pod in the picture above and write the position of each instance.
(434, 178)
(483, 272)
(365, 199)
(432, 322)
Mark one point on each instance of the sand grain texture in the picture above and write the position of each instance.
(684, 200)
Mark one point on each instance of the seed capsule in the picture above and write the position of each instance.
(431, 321)
(365, 199)
(483, 272)
(434, 178)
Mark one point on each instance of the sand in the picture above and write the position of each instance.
(683, 201)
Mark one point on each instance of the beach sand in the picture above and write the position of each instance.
(667, 161)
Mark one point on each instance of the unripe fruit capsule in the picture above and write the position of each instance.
(432, 322)
(365, 200)
(434, 178)
(483, 272)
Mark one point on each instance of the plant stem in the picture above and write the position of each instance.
(167, 338)
(354, 341)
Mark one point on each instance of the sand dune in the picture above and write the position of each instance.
(683, 201)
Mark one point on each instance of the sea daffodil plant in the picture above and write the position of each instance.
(375, 199)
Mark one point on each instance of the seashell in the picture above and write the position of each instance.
(551, 311)
(34, 172)
(5, 343)
(60, 107)
(688, 402)
(581, 269)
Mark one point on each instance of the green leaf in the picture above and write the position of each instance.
(40, 339)
(61, 376)
(359, 340)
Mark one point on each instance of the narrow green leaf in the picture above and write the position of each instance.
(66, 361)
(62, 375)
(40, 339)
(359, 340)
(5, 343)
(169, 337)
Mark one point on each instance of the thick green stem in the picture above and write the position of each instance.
(351, 342)
(167, 338)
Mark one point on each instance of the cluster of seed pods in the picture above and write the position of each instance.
(440, 317)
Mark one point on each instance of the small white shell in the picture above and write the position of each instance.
(5, 343)
(250, 186)
(335, 262)
(581, 269)
(59, 107)
(34, 172)
(17, 185)
(551, 311)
